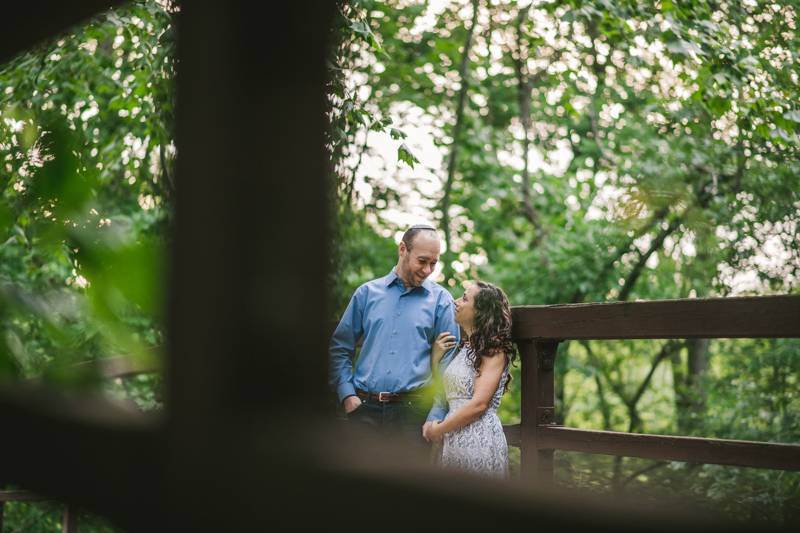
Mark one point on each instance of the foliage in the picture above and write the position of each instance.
(86, 143)
(358, 252)
(612, 150)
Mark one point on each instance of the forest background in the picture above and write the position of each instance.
(568, 151)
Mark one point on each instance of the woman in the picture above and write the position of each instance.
(472, 435)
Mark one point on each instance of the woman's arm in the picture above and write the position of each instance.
(443, 343)
(485, 386)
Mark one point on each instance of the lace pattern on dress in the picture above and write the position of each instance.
(479, 447)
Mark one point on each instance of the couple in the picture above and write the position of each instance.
(411, 347)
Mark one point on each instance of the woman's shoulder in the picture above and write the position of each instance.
(494, 358)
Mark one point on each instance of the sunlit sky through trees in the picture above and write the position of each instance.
(644, 70)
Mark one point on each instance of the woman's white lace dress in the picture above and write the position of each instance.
(479, 447)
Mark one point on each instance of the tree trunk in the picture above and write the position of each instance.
(697, 366)
(452, 161)
(525, 85)
(682, 403)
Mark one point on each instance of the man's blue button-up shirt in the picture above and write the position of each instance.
(398, 328)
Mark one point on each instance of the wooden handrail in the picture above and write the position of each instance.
(539, 329)
(21, 496)
(69, 522)
(668, 448)
(768, 455)
(700, 318)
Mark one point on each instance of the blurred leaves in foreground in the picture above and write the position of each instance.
(87, 157)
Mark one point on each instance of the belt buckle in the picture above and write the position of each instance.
(383, 396)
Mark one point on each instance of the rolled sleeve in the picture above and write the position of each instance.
(342, 348)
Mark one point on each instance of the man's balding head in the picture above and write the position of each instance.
(412, 233)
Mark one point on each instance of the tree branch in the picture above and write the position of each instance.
(351, 185)
(657, 243)
(665, 351)
(578, 296)
(643, 471)
(591, 30)
(596, 131)
(604, 410)
(616, 387)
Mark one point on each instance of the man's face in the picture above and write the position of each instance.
(419, 262)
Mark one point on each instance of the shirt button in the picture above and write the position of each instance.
(395, 333)
(399, 314)
(389, 372)
(392, 351)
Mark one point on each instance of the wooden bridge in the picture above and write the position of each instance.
(538, 330)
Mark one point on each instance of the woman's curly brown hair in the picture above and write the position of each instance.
(491, 328)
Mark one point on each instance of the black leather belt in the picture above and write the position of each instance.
(389, 396)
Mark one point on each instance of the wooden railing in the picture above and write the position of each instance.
(119, 366)
(538, 330)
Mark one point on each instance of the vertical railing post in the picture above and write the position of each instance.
(2, 506)
(537, 406)
(70, 521)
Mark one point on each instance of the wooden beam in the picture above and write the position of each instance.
(21, 496)
(147, 361)
(537, 360)
(125, 366)
(513, 433)
(687, 449)
(700, 318)
(28, 23)
(69, 523)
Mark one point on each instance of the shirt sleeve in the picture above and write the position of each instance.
(342, 349)
(445, 321)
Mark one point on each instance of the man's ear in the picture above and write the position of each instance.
(401, 249)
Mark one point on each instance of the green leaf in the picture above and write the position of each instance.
(635, 61)
(780, 133)
(749, 63)
(792, 115)
(397, 134)
(719, 105)
(677, 47)
(404, 154)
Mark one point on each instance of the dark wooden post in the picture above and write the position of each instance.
(70, 522)
(538, 409)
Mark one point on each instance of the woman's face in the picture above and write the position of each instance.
(465, 307)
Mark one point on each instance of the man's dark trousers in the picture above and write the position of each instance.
(394, 418)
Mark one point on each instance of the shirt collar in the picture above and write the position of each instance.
(394, 278)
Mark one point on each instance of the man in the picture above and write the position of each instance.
(399, 317)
